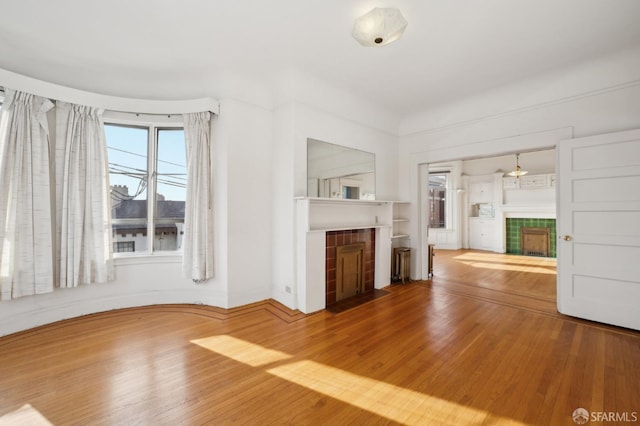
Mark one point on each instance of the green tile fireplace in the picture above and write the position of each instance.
(514, 226)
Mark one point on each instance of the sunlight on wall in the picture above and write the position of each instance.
(383, 399)
(25, 415)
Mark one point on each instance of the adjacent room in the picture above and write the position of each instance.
(336, 212)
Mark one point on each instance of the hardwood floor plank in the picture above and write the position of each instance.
(461, 349)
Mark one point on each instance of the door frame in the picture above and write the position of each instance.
(535, 141)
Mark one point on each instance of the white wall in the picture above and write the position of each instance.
(246, 131)
(283, 206)
(599, 97)
(294, 122)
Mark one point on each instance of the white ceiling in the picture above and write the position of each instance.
(165, 49)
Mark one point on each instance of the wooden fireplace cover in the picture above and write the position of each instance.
(350, 270)
(535, 241)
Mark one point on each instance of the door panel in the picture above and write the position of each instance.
(590, 288)
(599, 228)
(619, 224)
(622, 261)
(616, 154)
(605, 189)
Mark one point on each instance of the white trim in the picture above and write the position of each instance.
(126, 259)
(107, 102)
(519, 110)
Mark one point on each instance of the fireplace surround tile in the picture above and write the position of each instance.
(345, 237)
(514, 226)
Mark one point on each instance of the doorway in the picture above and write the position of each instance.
(482, 200)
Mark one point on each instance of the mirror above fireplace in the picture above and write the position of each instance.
(339, 172)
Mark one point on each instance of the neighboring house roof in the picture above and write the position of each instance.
(137, 209)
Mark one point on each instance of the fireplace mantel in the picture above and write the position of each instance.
(538, 211)
(314, 218)
(326, 214)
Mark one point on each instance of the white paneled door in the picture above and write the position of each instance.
(599, 228)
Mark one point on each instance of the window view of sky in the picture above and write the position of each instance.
(172, 165)
(127, 151)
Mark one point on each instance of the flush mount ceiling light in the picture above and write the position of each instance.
(379, 27)
(518, 171)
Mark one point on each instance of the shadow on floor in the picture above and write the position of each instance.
(357, 300)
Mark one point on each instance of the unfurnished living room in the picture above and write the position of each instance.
(320, 212)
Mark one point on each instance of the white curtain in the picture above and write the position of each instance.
(82, 197)
(26, 240)
(198, 220)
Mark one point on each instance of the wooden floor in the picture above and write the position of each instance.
(481, 344)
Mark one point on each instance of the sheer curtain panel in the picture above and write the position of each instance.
(198, 220)
(26, 237)
(82, 197)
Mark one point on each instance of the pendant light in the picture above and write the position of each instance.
(518, 171)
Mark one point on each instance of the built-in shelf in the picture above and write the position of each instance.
(400, 236)
(400, 220)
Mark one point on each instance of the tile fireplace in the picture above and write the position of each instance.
(324, 224)
(350, 258)
(514, 235)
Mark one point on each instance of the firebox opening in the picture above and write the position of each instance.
(350, 257)
(535, 241)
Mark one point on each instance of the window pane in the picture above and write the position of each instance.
(171, 189)
(350, 192)
(127, 151)
(437, 200)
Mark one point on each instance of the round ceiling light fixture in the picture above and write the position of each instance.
(379, 27)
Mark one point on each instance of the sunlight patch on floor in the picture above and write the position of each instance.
(507, 258)
(383, 399)
(507, 267)
(24, 416)
(505, 262)
(241, 350)
(392, 402)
